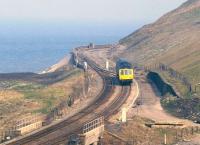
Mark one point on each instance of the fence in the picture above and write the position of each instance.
(184, 132)
(93, 124)
(176, 136)
(8, 134)
(172, 73)
(27, 121)
(15, 130)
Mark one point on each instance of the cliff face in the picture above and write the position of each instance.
(174, 39)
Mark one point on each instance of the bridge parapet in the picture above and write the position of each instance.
(92, 132)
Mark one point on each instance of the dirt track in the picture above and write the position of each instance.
(150, 106)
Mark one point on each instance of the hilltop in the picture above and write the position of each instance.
(173, 40)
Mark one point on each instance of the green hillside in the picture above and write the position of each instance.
(174, 40)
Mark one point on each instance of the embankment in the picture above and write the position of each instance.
(162, 86)
(178, 106)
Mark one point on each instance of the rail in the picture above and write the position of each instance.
(55, 134)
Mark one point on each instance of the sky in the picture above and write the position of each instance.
(35, 26)
(105, 11)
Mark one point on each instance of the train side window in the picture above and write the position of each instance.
(122, 72)
(130, 72)
(126, 72)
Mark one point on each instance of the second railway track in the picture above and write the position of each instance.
(59, 133)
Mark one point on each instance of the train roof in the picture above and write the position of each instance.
(123, 63)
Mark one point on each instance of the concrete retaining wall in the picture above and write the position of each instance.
(31, 127)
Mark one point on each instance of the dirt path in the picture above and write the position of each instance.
(194, 141)
(150, 106)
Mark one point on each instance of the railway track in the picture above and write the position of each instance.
(58, 133)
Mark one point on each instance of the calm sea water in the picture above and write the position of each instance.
(28, 48)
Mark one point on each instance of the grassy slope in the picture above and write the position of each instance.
(50, 95)
(173, 40)
(21, 97)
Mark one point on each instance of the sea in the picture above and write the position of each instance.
(35, 46)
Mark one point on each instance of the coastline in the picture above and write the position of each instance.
(64, 61)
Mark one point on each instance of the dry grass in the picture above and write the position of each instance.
(9, 95)
(19, 98)
(179, 86)
(135, 132)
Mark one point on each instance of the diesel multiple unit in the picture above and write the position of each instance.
(124, 71)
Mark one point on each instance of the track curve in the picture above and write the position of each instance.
(59, 132)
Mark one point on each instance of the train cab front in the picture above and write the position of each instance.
(126, 76)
